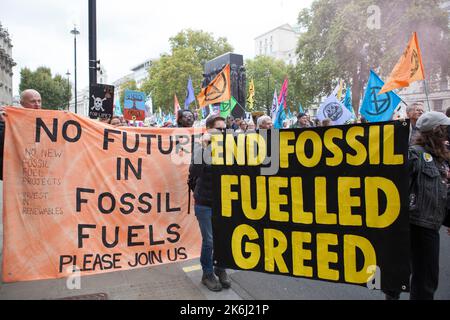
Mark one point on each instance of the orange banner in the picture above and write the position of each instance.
(408, 69)
(83, 196)
(218, 90)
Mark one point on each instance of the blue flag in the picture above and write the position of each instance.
(348, 101)
(118, 109)
(190, 97)
(378, 107)
(280, 116)
(300, 108)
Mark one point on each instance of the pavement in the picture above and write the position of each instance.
(182, 281)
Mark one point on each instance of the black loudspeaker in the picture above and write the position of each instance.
(237, 75)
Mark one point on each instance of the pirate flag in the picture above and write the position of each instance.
(101, 101)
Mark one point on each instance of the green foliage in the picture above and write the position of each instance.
(268, 74)
(203, 43)
(338, 43)
(169, 75)
(55, 92)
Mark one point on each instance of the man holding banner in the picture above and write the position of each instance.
(200, 171)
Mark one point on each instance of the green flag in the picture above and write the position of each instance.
(226, 107)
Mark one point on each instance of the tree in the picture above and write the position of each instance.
(128, 85)
(267, 74)
(340, 43)
(203, 43)
(55, 92)
(169, 75)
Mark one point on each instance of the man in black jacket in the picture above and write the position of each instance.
(201, 171)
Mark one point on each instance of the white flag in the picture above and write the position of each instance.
(334, 110)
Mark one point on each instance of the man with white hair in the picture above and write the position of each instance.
(264, 122)
(29, 99)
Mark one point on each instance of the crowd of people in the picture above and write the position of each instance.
(429, 177)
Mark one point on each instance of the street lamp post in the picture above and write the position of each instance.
(75, 32)
(68, 90)
(268, 96)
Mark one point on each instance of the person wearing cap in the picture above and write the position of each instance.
(200, 172)
(428, 202)
(302, 121)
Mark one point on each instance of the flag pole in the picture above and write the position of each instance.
(426, 94)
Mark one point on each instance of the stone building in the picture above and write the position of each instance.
(6, 65)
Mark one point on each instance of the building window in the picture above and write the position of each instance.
(437, 105)
(271, 49)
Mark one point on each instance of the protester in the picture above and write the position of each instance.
(251, 126)
(327, 122)
(230, 123)
(264, 122)
(242, 127)
(413, 112)
(185, 119)
(200, 171)
(317, 122)
(115, 121)
(429, 204)
(29, 99)
(302, 121)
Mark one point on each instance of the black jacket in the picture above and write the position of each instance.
(201, 170)
(428, 207)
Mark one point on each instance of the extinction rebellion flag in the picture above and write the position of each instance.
(218, 90)
(335, 207)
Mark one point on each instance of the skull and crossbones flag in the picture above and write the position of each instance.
(101, 98)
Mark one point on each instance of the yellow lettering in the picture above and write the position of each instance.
(261, 201)
(324, 257)
(274, 253)
(351, 274)
(373, 218)
(346, 201)
(217, 149)
(317, 148)
(276, 199)
(299, 254)
(322, 216)
(374, 144)
(227, 195)
(338, 157)
(361, 152)
(298, 213)
(389, 157)
(252, 260)
(256, 149)
(235, 152)
(285, 148)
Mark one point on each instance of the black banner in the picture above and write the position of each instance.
(327, 203)
(101, 101)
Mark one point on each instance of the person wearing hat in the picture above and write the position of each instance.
(200, 179)
(302, 121)
(428, 202)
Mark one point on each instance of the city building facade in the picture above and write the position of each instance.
(279, 43)
(6, 65)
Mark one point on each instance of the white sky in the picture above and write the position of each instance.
(128, 32)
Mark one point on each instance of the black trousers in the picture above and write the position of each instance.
(424, 264)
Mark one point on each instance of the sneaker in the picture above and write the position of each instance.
(210, 281)
(223, 278)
